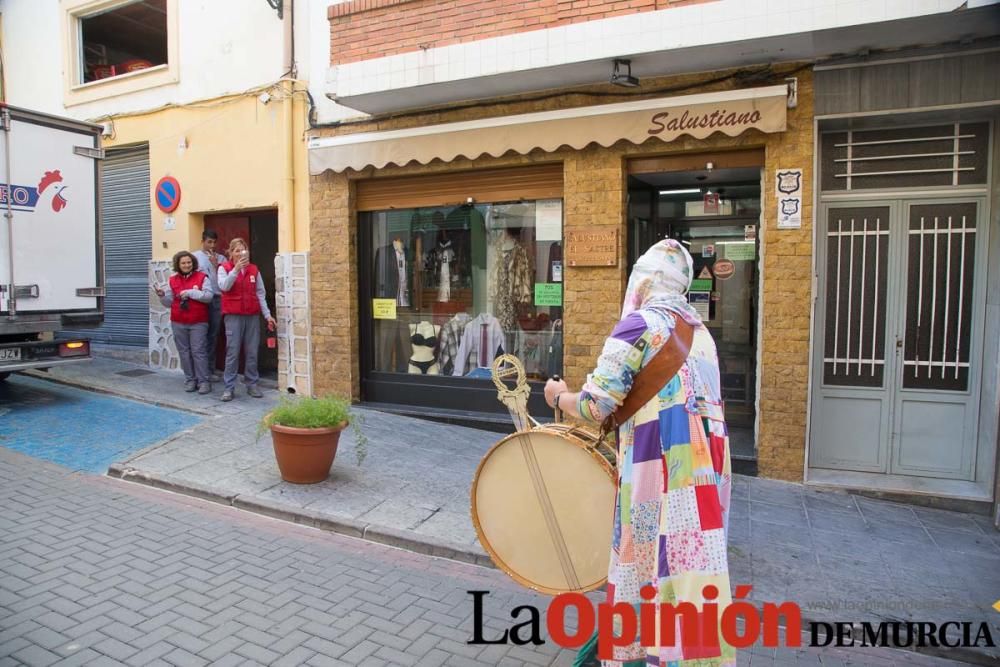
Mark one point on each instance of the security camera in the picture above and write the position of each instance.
(264, 97)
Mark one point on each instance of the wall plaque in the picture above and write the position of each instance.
(593, 247)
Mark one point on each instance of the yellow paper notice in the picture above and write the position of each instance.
(384, 309)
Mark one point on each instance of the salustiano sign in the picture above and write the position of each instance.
(731, 112)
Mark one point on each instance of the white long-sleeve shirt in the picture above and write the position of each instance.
(226, 281)
(205, 266)
(482, 337)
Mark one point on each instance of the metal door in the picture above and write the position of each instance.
(899, 337)
(128, 246)
(939, 340)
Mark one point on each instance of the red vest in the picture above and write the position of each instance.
(241, 299)
(196, 311)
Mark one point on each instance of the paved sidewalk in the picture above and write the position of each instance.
(840, 556)
(94, 571)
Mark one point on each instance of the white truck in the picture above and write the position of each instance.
(51, 273)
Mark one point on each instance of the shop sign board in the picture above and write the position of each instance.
(724, 269)
(788, 194)
(592, 248)
(711, 201)
(741, 252)
(548, 294)
(384, 309)
(548, 220)
(700, 302)
(701, 285)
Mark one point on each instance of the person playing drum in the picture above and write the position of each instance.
(674, 474)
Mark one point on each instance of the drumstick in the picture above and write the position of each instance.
(558, 414)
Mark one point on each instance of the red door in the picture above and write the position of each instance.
(228, 227)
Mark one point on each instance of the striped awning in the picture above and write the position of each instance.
(731, 112)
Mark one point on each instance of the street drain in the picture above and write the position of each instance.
(135, 373)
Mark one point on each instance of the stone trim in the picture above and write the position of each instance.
(161, 350)
(291, 271)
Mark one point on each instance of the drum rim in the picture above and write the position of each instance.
(484, 541)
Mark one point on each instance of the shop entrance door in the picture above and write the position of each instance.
(260, 230)
(899, 333)
(715, 214)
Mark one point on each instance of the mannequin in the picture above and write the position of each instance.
(423, 343)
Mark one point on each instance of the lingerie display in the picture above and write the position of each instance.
(424, 348)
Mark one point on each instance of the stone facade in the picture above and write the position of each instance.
(162, 352)
(595, 189)
(291, 271)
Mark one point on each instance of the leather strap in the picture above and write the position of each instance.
(654, 375)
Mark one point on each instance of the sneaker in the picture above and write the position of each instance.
(227, 395)
(252, 390)
(215, 377)
(190, 385)
(205, 388)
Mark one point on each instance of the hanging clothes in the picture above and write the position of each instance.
(444, 257)
(451, 339)
(510, 282)
(482, 342)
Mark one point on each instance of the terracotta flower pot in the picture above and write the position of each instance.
(305, 455)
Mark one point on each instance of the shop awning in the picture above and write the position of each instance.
(731, 112)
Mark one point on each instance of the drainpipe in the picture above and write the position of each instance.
(288, 185)
(9, 215)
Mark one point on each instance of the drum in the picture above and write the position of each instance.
(543, 507)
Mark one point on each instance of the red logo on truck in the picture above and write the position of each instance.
(50, 178)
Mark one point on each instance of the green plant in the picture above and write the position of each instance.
(322, 412)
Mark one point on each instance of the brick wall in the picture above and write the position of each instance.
(594, 195)
(367, 29)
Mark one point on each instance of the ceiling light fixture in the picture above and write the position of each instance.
(623, 78)
(682, 191)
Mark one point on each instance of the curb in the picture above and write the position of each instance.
(393, 537)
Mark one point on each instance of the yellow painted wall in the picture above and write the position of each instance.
(236, 159)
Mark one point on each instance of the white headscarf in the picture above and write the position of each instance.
(660, 280)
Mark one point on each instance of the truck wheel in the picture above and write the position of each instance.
(3, 376)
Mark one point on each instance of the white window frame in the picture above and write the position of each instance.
(76, 92)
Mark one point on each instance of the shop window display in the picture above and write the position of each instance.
(455, 287)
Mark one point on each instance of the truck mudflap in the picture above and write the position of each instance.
(42, 354)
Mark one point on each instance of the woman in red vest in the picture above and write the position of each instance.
(188, 296)
(243, 303)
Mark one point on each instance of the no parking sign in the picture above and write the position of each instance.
(167, 194)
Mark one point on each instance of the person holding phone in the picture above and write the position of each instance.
(243, 303)
(188, 294)
(208, 263)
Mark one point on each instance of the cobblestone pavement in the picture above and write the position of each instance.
(98, 571)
